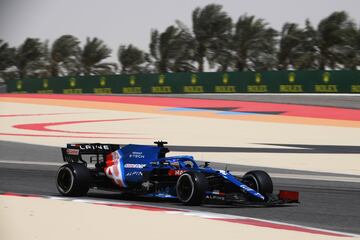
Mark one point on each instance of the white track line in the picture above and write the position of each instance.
(275, 175)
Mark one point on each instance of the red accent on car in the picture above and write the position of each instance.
(109, 157)
(289, 196)
(110, 161)
(72, 151)
(173, 172)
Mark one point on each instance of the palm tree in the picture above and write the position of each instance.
(306, 52)
(351, 59)
(7, 60)
(211, 28)
(291, 37)
(92, 55)
(171, 50)
(7, 55)
(162, 48)
(184, 61)
(65, 52)
(331, 39)
(131, 59)
(223, 60)
(254, 43)
(28, 57)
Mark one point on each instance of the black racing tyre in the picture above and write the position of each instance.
(191, 188)
(260, 181)
(73, 180)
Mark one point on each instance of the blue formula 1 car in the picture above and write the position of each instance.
(146, 171)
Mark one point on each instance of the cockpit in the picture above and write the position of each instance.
(182, 162)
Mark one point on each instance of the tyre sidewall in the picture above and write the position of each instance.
(80, 179)
(262, 180)
(199, 186)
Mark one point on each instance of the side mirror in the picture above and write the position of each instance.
(163, 163)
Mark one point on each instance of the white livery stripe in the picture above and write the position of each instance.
(121, 174)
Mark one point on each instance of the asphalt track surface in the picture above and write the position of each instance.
(324, 204)
(332, 205)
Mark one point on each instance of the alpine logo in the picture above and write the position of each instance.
(129, 174)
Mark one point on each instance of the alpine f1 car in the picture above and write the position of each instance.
(146, 171)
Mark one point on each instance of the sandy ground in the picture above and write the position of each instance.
(34, 218)
(144, 127)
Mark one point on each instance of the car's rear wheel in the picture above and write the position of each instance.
(73, 179)
(191, 188)
(260, 181)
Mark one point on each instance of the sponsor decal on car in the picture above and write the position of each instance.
(71, 151)
(136, 155)
(173, 172)
(134, 165)
(94, 147)
(136, 173)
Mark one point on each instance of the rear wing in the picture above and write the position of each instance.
(74, 151)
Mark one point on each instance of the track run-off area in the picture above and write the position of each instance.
(312, 147)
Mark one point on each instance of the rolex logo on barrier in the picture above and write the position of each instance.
(193, 88)
(102, 81)
(292, 87)
(161, 79)
(326, 87)
(45, 87)
(258, 87)
(132, 89)
(193, 79)
(326, 77)
(258, 78)
(19, 85)
(132, 80)
(102, 89)
(72, 82)
(225, 88)
(72, 89)
(162, 88)
(45, 83)
(291, 77)
(225, 78)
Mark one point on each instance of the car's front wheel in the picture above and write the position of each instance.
(73, 179)
(260, 181)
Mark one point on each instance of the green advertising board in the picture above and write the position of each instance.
(208, 82)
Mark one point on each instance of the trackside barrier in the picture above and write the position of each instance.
(209, 82)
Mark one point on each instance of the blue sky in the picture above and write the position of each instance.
(123, 22)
